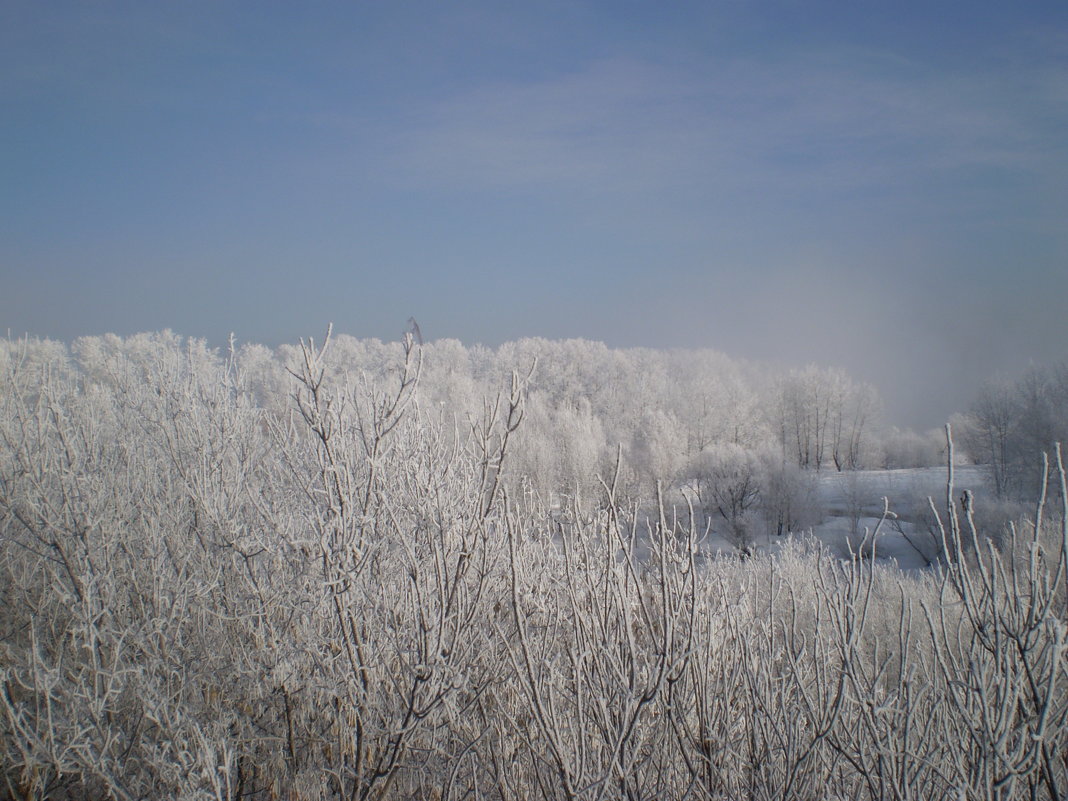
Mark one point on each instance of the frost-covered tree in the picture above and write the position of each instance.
(1009, 423)
(208, 592)
(822, 417)
(788, 498)
(727, 480)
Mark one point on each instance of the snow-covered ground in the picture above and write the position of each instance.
(852, 504)
(839, 491)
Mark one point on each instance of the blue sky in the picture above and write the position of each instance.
(881, 186)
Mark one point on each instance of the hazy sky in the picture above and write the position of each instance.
(877, 185)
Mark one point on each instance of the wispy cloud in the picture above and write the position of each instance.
(593, 128)
(845, 119)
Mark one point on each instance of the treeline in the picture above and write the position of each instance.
(221, 580)
(743, 439)
(664, 406)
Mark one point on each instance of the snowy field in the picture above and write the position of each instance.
(853, 504)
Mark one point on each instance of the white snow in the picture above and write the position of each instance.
(853, 505)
